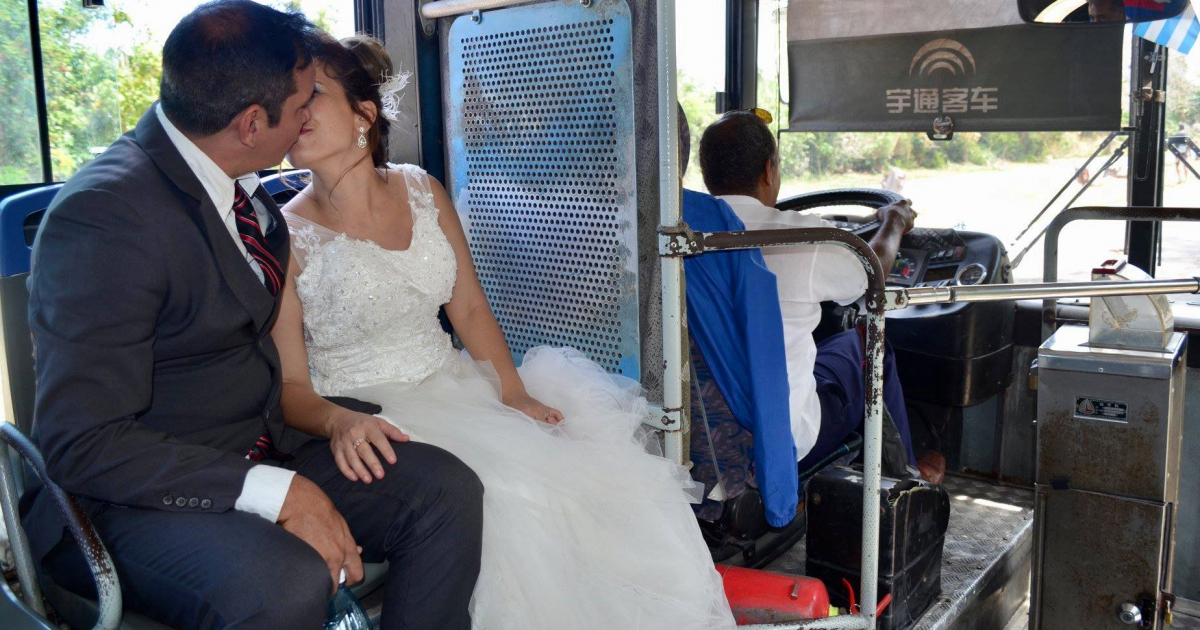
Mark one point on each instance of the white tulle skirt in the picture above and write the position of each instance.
(583, 529)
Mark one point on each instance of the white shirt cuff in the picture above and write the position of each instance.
(264, 491)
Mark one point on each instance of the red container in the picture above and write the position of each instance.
(766, 597)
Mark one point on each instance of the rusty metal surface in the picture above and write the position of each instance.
(1181, 621)
(104, 574)
(1137, 457)
(1100, 552)
(990, 530)
(541, 150)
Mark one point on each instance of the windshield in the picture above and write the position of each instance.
(994, 182)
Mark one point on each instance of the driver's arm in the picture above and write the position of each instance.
(895, 221)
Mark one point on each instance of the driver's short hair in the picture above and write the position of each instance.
(734, 151)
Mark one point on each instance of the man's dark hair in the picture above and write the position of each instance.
(733, 152)
(228, 55)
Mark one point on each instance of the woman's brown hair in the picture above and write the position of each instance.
(360, 64)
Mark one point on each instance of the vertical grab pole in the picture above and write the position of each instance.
(669, 214)
(872, 450)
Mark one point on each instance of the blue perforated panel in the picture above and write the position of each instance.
(541, 150)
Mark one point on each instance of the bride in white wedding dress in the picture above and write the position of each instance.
(582, 528)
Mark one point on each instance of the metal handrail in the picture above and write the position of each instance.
(901, 298)
(1097, 213)
(108, 587)
(450, 8)
(681, 241)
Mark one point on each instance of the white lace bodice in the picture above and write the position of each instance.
(370, 314)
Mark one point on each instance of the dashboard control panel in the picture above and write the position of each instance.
(937, 258)
(934, 257)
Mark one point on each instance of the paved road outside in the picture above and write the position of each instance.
(1002, 200)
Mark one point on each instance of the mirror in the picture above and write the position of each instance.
(1084, 12)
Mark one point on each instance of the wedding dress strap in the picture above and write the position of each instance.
(307, 237)
(420, 193)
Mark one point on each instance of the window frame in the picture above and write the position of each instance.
(367, 18)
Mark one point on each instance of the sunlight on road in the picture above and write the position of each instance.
(1003, 200)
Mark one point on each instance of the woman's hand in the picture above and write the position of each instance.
(530, 406)
(354, 437)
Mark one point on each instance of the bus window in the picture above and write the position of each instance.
(1181, 187)
(102, 65)
(20, 145)
(985, 182)
(700, 70)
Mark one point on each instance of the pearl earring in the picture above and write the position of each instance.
(362, 139)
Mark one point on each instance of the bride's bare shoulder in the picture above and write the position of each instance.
(301, 205)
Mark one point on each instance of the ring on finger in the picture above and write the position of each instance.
(358, 442)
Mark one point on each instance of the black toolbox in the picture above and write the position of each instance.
(912, 531)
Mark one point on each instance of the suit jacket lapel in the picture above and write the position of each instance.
(233, 266)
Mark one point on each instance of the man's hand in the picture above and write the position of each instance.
(310, 515)
(900, 213)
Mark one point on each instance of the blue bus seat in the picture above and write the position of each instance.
(721, 448)
(20, 216)
(284, 185)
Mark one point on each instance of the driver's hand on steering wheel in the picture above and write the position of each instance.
(900, 212)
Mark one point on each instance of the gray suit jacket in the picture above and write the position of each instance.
(155, 368)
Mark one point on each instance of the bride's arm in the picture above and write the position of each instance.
(351, 434)
(473, 320)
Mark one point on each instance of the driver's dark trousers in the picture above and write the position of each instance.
(840, 385)
(195, 570)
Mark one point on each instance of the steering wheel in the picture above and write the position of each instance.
(869, 197)
(834, 317)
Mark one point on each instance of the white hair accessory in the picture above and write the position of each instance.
(389, 94)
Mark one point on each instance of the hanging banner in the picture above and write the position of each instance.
(1008, 78)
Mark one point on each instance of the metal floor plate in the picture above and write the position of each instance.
(988, 544)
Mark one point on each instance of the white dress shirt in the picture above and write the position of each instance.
(265, 487)
(807, 275)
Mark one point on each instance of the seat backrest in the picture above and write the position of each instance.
(551, 163)
(722, 450)
(20, 216)
(285, 185)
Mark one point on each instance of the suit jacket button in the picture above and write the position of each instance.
(206, 504)
(168, 500)
(193, 502)
(180, 502)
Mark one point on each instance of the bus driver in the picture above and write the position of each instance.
(740, 163)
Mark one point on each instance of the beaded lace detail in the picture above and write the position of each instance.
(370, 313)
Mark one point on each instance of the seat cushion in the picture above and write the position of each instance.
(80, 612)
(373, 577)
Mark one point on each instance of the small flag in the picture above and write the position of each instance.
(1178, 33)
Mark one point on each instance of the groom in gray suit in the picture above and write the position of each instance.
(156, 277)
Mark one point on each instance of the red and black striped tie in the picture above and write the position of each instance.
(252, 236)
